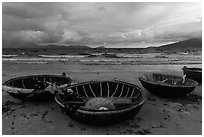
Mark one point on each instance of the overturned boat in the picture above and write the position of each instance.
(101, 102)
(35, 87)
(167, 86)
(193, 73)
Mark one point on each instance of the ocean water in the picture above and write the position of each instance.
(40, 55)
(96, 56)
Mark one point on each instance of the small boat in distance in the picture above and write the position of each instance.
(35, 87)
(193, 73)
(101, 102)
(167, 86)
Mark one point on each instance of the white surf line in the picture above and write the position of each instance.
(62, 56)
(35, 59)
(92, 90)
(9, 55)
(115, 90)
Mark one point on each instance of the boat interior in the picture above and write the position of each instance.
(195, 69)
(105, 89)
(167, 79)
(108, 93)
(35, 82)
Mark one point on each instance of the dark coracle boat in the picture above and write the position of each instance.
(101, 102)
(35, 87)
(193, 73)
(167, 86)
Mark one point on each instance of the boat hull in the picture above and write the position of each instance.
(168, 91)
(193, 73)
(26, 87)
(105, 118)
(97, 117)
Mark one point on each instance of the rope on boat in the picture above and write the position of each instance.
(183, 78)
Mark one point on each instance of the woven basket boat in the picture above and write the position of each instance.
(167, 86)
(34, 87)
(101, 102)
(193, 73)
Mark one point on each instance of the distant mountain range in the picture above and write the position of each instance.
(194, 43)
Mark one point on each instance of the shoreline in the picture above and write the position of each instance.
(105, 62)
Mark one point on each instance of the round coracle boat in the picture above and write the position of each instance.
(35, 87)
(193, 73)
(167, 86)
(101, 102)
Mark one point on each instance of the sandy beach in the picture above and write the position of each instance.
(182, 116)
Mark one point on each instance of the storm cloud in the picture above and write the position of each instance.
(90, 23)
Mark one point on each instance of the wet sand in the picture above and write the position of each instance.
(157, 116)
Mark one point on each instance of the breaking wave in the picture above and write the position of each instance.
(34, 59)
(62, 56)
(9, 56)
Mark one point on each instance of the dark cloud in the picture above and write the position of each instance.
(30, 9)
(100, 22)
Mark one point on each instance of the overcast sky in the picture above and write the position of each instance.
(89, 23)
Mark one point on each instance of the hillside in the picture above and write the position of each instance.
(100, 47)
(23, 44)
(183, 45)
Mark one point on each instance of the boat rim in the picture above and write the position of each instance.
(189, 69)
(30, 76)
(142, 100)
(168, 85)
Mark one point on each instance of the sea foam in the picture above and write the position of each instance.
(34, 59)
(62, 56)
(8, 56)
